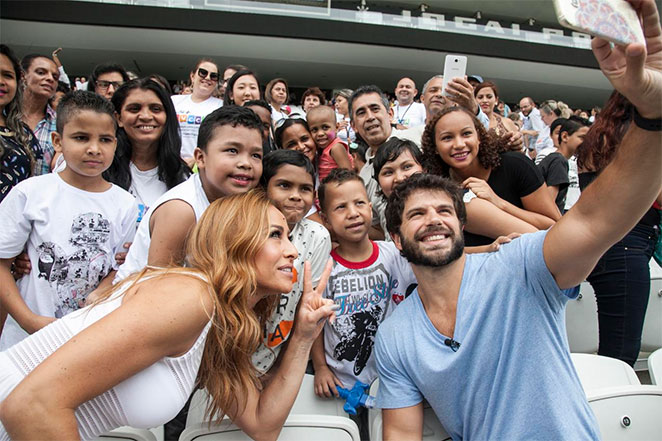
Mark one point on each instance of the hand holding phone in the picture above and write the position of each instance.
(455, 66)
(613, 20)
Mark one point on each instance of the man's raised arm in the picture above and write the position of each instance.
(627, 187)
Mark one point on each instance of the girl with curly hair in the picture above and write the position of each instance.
(135, 355)
(456, 145)
(621, 278)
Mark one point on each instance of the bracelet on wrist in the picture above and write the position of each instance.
(652, 125)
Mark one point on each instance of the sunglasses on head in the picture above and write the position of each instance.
(282, 121)
(203, 73)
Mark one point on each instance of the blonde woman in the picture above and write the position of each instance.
(134, 356)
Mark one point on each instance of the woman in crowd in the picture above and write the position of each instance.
(456, 145)
(345, 131)
(487, 95)
(18, 147)
(40, 82)
(147, 160)
(294, 134)
(621, 278)
(277, 95)
(243, 86)
(312, 97)
(196, 106)
(84, 375)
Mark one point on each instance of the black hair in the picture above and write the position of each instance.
(287, 123)
(77, 101)
(234, 79)
(273, 161)
(337, 176)
(571, 125)
(172, 170)
(227, 115)
(259, 103)
(555, 123)
(390, 151)
(421, 181)
(364, 90)
(63, 87)
(161, 81)
(27, 60)
(360, 149)
(101, 69)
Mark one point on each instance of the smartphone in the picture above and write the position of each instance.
(613, 20)
(454, 66)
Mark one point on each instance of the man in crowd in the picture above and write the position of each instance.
(495, 361)
(407, 112)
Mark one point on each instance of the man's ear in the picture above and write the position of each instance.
(56, 140)
(199, 157)
(395, 237)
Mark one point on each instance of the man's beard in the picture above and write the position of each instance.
(416, 256)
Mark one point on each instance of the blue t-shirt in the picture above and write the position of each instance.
(512, 376)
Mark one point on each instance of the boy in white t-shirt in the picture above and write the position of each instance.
(288, 177)
(72, 223)
(368, 279)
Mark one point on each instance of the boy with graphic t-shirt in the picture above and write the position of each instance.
(368, 279)
(72, 223)
(288, 177)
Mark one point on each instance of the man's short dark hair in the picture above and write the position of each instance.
(258, 103)
(75, 102)
(418, 182)
(273, 161)
(227, 115)
(364, 90)
(337, 176)
(101, 69)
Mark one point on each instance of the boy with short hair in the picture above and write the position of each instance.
(333, 152)
(229, 160)
(72, 223)
(367, 280)
(289, 180)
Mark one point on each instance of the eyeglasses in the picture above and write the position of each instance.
(203, 73)
(282, 121)
(103, 85)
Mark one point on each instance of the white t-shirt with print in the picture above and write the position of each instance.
(71, 236)
(411, 115)
(146, 187)
(189, 191)
(190, 116)
(367, 292)
(313, 243)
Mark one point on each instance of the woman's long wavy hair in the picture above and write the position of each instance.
(12, 111)
(606, 134)
(490, 145)
(222, 247)
(172, 169)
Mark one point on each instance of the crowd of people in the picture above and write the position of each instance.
(223, 237)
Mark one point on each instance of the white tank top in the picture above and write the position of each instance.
(148, 399)
(189, 191)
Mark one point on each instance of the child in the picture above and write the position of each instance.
(288, 177)
(229, 160)
(334, 152)
(72, 223)
(367, 279)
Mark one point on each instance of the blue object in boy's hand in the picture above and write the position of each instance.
(355, 397)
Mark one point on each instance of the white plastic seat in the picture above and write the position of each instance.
(596, 372)
(432, 428)
(628, 412)
(306, 403)
(297, 427)
(581, 321)
(127, 434)
(655, 367)
(651, 336)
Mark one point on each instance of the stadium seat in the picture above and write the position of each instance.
(432, 428)
(596, 372)
(655, 367)
(628, 412)
(297, 427)
(127, 434)
(651, 337)
(581, 321)
(306, 403)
